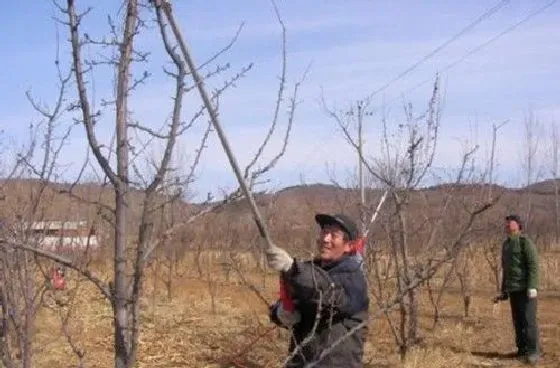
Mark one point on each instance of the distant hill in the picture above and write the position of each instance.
(289, 211)
(545, 187)
(63, 202)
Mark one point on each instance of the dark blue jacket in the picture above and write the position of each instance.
(333, 302)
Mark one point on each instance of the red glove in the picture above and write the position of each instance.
(287, 302)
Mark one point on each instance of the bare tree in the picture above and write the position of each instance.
(417, 245)
(492, 159)
(36, 163)
(353, 119)
(492, 253)
(461, 265)
(554, 167)
(357, 114)
(530, 157)
(135, 235)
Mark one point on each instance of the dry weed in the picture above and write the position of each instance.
(183, 331)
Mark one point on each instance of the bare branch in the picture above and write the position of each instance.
(190, 175)
(278, 98)
(101, 285)
(207, 208)
(224, 49)
(215, 120)
(282, 151)
(345, 130)
(88, 121)
(150, 131)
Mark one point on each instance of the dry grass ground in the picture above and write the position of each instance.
(187, 332)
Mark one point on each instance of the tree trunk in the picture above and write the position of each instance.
(403, 343)
(29, 313)
(465, 281)
(27, 344)
(170, 274)
(120, 309)
(557, 211)
(412, 327)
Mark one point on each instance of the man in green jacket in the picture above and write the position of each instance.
(520, 276)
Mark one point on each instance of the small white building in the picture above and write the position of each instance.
(64, 235)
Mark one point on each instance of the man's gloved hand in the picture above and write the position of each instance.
(500, 297)
(278, 259)
(531, 293)
(287, 318)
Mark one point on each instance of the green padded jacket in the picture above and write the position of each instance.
(520, 264)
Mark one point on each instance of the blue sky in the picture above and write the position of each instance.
(354, 48)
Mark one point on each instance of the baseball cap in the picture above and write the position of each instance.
(341, 220)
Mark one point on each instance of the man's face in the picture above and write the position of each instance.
(512, 227)
(332, 244)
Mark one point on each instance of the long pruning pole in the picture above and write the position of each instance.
(199, 81)
(374, 215)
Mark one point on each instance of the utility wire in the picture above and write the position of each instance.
(481, 46)
(455, 37)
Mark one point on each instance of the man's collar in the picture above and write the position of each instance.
(514, 236)
(331, 263)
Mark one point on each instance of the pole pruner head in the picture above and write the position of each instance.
(358, 246)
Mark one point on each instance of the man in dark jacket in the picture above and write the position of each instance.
(519, 283)
(329, 318)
